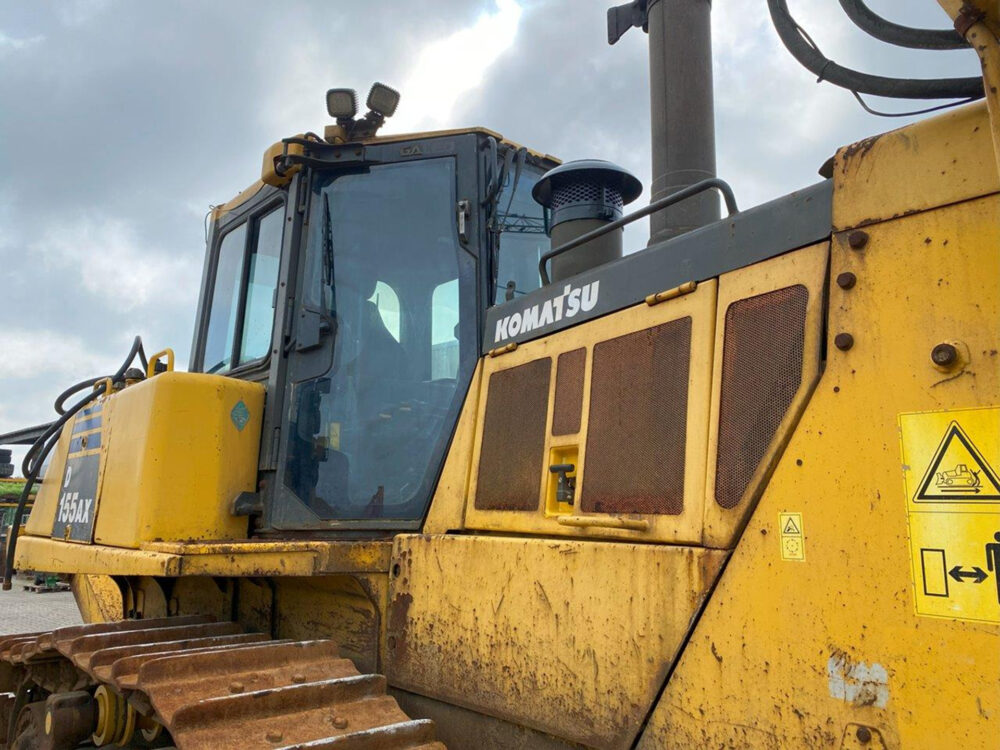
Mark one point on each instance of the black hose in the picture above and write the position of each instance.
(31, 466)
(884, 30)
(136, 350)
(807, 54)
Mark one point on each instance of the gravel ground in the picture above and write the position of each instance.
(26, 612)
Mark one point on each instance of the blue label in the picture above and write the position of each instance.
(240, 415)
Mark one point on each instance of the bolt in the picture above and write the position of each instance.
(274, 736)
(846, 280)
(857, 239)
(944, 355)
(864, 735)
(236, 687)
(340, 722)
(298, 679)
(843, 341)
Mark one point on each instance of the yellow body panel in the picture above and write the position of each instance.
(165, 559)
(58, 556)
(569, 637)
(791, 653)
(683, 528)
(808, 268)
(940, 160)
(177, 458)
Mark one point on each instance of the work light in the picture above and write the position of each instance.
(343, 103)
(383, 99)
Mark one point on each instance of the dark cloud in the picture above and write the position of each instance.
(123, 121)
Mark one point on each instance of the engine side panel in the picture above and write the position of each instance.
(800, 646)
(569, 637)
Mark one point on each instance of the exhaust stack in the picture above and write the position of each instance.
(681, 105)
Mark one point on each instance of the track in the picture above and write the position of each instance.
(195, 683)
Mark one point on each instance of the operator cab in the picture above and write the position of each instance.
(354, 286)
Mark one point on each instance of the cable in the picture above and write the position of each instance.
(884, 30)
(808, 54)
(866, 108)
(31, 466)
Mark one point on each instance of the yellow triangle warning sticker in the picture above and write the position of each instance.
(790, 527)
(958, 472)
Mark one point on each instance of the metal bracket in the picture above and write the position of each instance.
(247, 504)
(621, 18)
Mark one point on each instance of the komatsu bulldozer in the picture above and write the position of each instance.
(451, 469)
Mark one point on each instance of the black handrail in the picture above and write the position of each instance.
(699, 187)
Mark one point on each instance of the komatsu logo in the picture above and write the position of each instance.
(570, 303)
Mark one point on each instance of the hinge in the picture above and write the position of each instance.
(686, 288)
(505, 349)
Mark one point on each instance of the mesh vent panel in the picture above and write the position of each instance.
(761, 372)
(584, 192)
(511, 459)
(638, 422)
(569, 392)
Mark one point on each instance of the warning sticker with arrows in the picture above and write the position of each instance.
(953, 510)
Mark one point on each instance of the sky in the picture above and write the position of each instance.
(122, 121)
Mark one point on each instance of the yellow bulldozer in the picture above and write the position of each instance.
(451, 470)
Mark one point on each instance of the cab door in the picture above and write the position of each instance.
(384, 343)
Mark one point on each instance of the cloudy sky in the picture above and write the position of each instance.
(121, 121)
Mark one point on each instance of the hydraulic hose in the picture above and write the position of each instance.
(808, 55)
(31, 466)
(884, 30)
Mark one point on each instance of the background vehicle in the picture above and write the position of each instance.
(556, 497)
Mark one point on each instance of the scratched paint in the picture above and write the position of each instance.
(857, 682)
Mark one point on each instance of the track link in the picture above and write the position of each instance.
(208, 684)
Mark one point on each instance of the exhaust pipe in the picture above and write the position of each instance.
(681, 105)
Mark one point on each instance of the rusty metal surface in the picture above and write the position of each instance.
(511, 461)
(636, 439)
(120, 664)
(763, 349)
(568, 406)
(209, 684)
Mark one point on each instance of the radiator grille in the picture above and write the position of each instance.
(637, 429)
(761, 372)
(511, 459)
(569, 392)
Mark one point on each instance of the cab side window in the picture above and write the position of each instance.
(258, 318)
(241, 316)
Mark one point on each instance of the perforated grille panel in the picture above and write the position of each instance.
(569, 392)
(584, 192)
(511, 460)
(637, 429)
(761, 372)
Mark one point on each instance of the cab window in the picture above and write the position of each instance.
(241, 315)
(523, 238)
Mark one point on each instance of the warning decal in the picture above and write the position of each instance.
(793, 546)
(953, 511)
(958, 472)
